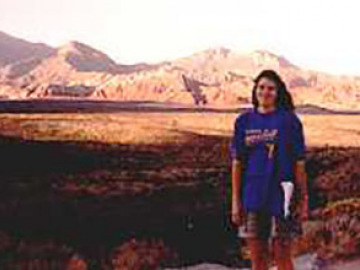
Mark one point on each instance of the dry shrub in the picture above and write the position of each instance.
(43, 255)
(139, 255)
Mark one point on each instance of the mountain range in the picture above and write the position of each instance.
(222, 76)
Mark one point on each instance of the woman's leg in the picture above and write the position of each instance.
(259, 253)
(282, 253)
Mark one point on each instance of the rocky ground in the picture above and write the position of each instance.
(304, 262)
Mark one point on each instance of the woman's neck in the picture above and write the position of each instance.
(262, 109)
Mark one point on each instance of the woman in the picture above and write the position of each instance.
(267, 149)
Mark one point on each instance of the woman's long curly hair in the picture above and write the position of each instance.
(283, 96)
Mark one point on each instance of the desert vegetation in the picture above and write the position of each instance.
(139, 190)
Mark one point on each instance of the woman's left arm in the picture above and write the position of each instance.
(299, 159)
(301, 183)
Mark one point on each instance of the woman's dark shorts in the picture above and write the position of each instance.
(263, 225)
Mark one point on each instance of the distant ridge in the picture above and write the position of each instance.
(224, 77)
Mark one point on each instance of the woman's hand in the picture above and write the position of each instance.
(236, 213)
(304, 210)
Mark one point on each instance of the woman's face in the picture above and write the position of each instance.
(266, 92)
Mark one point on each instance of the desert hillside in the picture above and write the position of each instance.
(216, 77)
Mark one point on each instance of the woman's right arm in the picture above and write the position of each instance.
(236, 208)
(237, 158)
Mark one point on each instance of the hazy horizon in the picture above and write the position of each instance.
(313, 35)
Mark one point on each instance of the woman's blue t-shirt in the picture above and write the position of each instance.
(268, 144)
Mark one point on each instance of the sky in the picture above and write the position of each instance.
(313, 34)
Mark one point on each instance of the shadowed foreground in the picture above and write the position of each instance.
(104, 205)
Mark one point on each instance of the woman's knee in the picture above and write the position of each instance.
(258, 248)
(282, 248)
